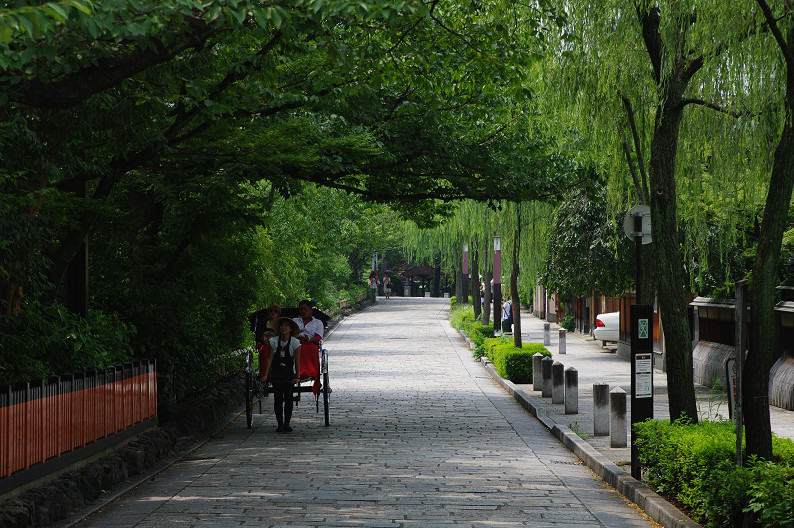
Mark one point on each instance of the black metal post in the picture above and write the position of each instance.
(641, 375)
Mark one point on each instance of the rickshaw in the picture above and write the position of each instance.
(313, 367)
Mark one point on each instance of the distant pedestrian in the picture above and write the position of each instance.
(386, 285)
(507, 316)
(373, 284)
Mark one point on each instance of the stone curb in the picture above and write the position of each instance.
(656, 507)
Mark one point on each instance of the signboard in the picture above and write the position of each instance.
(732, 375)
(642, 329)
(643, 376)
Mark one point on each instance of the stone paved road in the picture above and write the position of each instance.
(420, 436)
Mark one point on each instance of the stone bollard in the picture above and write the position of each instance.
(546, 334)
(571, 391)
(537, 372)
(557, 382)
(561, 349)
(600, 409)
(546, 364)
(617, 418)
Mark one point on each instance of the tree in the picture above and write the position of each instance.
(587, 250)
(188, 124)
(703, 99)
(762, 353)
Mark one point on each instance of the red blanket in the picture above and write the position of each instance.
(310, 363)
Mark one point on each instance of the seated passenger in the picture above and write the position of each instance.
(311, 328)
(285, 362)
(311, 335)
(273, 313)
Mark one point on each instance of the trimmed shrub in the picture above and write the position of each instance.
(462, 318)
(480, 332)
(453, 302)
(694, 464)
(510, 362)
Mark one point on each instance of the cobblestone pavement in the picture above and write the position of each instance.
(420, 436)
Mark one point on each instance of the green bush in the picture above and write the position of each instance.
(48, 339)
(453, 302)
(772, 494)
(480, 332)
(462, 318)
(694, 464)
(510, 362)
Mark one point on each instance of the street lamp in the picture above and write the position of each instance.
(496, 294)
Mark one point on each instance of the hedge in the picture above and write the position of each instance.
(453, 302)
(694, 463)
(510, 362)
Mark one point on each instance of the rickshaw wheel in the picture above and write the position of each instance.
(249, 386)
(325, 398)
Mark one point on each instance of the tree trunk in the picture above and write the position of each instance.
(437, 281)
(669, 261)
(475, 285)
(516, 304)
(762, 353)
(669, 271)
(486, 306)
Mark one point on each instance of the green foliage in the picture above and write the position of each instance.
(46, 340)
(462, 317)
(587, 250)
(771, 494)
(480, 332)
(568, 322)
(510, 362)
(695, 464)
(23, 235)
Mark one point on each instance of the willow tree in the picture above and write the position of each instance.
(696, 96)
(470, 223)
(765, 271)
(523, 228)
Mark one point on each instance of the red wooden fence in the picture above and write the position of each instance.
(43, 419)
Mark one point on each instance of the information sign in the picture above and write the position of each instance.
(643, 376)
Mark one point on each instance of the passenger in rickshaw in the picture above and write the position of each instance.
(311, 328)
(285, 363)
(273, 314)
(311, 336)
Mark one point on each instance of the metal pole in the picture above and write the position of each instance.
(741, 343)
(638, 257)
(641, 375)
(496, 296)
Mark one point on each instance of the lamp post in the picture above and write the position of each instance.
(465, 281)
(496, 295)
